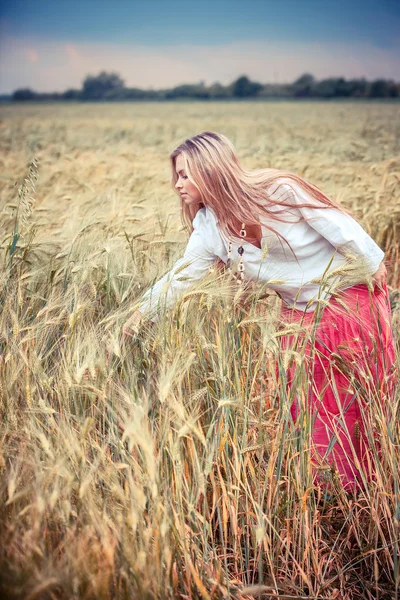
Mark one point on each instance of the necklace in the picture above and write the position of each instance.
(240, 269)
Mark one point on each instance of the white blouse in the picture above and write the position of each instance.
(315, 245)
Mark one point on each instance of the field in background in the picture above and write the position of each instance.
(171, 471)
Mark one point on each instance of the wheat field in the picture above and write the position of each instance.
(167, 466)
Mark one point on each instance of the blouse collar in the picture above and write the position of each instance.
(235, 240)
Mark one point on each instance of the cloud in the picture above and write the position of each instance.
(65, 65)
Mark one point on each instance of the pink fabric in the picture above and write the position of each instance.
(353, 336)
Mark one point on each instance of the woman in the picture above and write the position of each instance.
(287, 233)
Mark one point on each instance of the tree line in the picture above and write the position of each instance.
(111, 87)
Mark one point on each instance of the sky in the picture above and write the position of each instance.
(52, 45)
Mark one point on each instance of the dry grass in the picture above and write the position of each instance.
(172, 471)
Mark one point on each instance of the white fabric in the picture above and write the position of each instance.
(320, 243)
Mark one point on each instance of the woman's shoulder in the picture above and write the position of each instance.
(206, 224)
(205, 217)
(199, 217)
(282, 185)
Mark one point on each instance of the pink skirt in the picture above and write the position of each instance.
(350, 364)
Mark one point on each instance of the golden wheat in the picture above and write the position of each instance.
(166, 467)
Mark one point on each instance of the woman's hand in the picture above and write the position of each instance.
(380, 276)
(131, 327)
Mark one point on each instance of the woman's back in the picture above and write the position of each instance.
(300, 248)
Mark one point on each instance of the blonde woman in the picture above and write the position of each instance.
(284, 230)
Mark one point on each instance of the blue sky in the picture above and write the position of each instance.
(52, 44)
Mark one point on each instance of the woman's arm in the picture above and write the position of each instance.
(132, 325)
(193, 265)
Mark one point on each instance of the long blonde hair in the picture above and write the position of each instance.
(233, 192)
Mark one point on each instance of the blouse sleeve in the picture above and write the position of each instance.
(340, 229)
(194, 264)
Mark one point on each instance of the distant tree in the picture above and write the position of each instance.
(359, 87)
(72, 94)
(110, 87)
(188, 91)
(303, 86)
(276, 90)
(49, 96)
(332, 87)
(244, 88)
(137, 93)
(393, 89)
(218, 90)
(97, 87)
(343, 87)
(23, 94)
(380, 88)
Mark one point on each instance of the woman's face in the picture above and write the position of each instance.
(188, 192)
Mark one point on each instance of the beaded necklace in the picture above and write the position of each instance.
(240, 269)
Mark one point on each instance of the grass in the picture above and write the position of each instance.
(172, 470)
